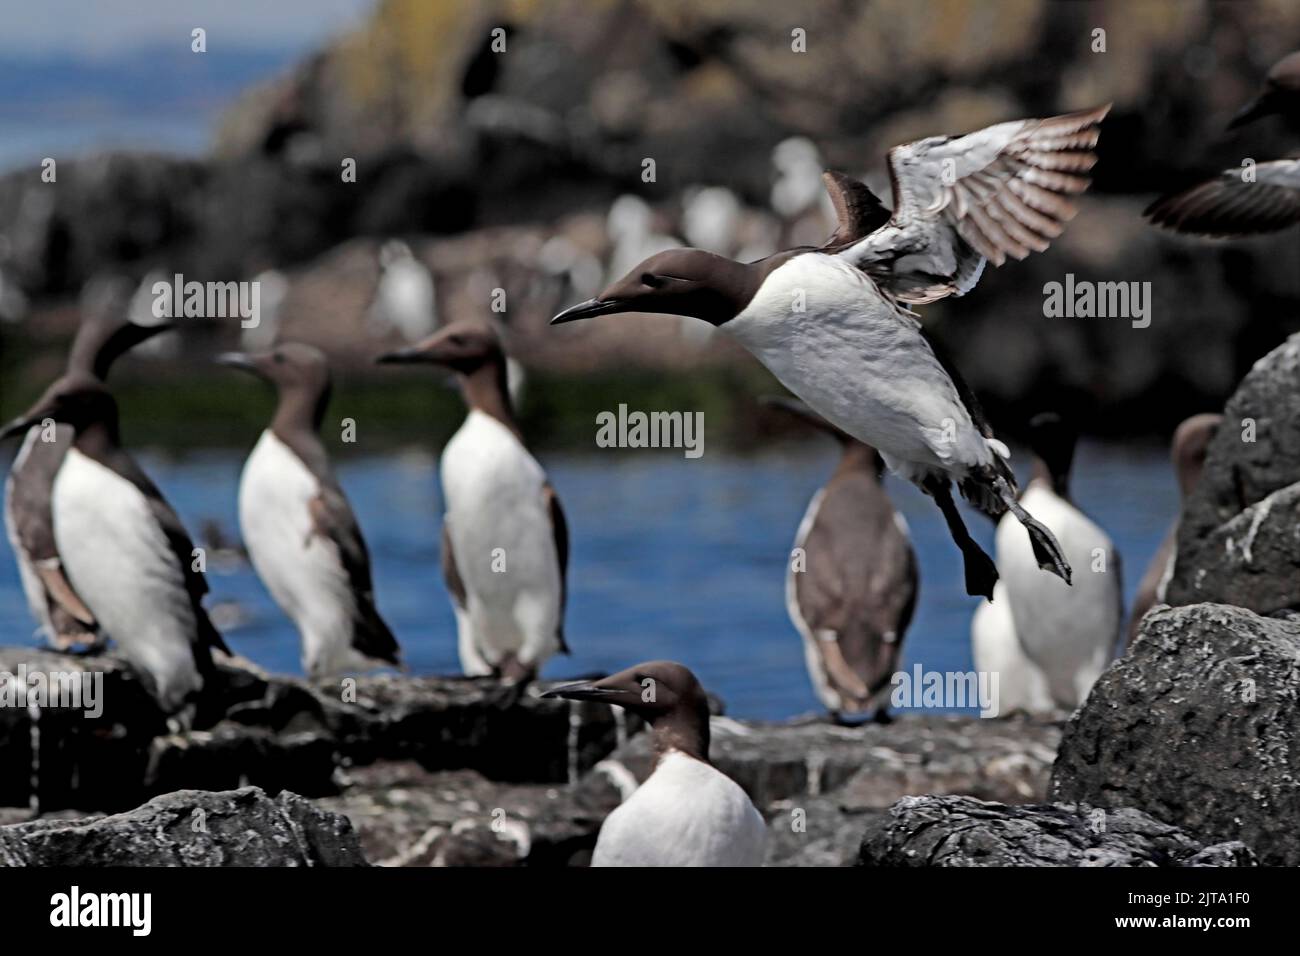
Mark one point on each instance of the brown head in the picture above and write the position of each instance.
(77, 399)
(1189, 447)
(473, 351)
(1052, 441)
(663, 693)
(301, 376)
(688, 282)
(1280, 95)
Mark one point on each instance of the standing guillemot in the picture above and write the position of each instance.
(1063, 636)
(301, 534)
(829, 322)
(687, 813)
(124, 548)
(1187, 450)
(60, 613)
(1231, 205)
(505, 544)
(853, 599)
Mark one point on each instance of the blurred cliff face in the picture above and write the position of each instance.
(497, 136)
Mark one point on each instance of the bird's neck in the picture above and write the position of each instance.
(858, 458)
(485, 391)
(300, 410)
(1059, 482)
(684, 731)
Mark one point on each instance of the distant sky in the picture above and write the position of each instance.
(80, 75)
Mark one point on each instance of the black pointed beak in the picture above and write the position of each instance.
(1261, 105)
(585, 690)
(19, 425)
(588, 310)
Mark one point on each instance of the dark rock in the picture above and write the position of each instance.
(191, 828)
(408, 816)
(283, 733)
(1237, 539)
(1198, 725)
(962, 831)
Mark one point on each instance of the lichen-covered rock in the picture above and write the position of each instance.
(1239, 536)
(962, 831)
(191, 828)
(1198, 725)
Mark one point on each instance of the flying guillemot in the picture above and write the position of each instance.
(505, 543)
(1250, 199)
(687, 812)
(851, 584)
(301, 534)
(61, 615)
(832, 324)
(1188, 449)
(125, 550)
(1050, 643)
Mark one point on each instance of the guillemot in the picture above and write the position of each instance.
(832, 324)
(124, 549)
(61, 615)
(1250, 199)
(1187, 452)
(851, 583)
(687, 812)
(1052, 635)
(302, 537)
(505, 543)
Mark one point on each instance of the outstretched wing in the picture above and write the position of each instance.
(1006, 190)
(1228, 205)
(858, 211)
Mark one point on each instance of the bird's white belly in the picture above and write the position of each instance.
(118, 559)
(301, 569)
(503, 541)
(1069, 631)
(861, 364)
(687, 813)
(996, 649)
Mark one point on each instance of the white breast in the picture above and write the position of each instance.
(301, 569)
(687, 813)
(1069, 631)
(996, 650)
(503, 541)
(119, 561)
(862, 364)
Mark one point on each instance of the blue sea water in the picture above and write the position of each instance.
(670, 557)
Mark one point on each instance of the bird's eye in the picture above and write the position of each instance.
(458, 341)
(651, 280)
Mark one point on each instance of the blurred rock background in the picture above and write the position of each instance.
(516, 170)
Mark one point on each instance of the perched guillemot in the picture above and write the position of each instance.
(687, 812)
(1280, 95)
(124, 548)
(1067, 634)
(505, 543)
(298, 526)
(1231, 204)
(1187, 450)
(831, 323)
(852, 596)
(1022, 685)
(61, 615)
